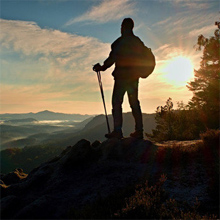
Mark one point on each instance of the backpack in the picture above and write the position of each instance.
(146, 63)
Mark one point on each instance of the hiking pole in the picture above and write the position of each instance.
(103, 98)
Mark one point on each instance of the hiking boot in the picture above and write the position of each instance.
(137, 134)
(114, 134)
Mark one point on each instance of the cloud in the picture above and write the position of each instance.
(107, 10)
(187, 15)
(161, 48)
(163, 22)
(167, 51)
(191, 4)
(204, 30)
(30, 39)
(22, 99)
(48, 65)
(61, 52)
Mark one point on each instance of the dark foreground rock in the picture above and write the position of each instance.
(80, 175)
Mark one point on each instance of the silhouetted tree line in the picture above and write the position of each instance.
(202, 111)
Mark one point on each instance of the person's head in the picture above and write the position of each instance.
(127, 25)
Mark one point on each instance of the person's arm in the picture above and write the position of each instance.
(109, 61)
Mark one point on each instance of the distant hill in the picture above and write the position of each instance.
(128, 123)
(45, 115)
(48, 138)
(25, 120)
(93, 128)
(19, 135)
(96, 129)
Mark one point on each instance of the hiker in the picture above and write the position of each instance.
(123, 53)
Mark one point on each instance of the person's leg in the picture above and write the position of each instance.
(117, 100)
(132, 91)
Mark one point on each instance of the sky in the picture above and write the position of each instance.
(48, 48)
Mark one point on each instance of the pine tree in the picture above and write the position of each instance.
(205, 86)
(164, 119)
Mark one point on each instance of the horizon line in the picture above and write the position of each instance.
(63, 113)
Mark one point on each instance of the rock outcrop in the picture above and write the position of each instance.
(79, 175)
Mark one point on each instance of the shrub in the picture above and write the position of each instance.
(149, 202)
(145, 202)
(179, 124)
(210, 138)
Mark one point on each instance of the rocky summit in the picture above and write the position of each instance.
(78, 176)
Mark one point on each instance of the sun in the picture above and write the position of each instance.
(179, 71)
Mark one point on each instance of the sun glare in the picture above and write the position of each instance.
(179, 71)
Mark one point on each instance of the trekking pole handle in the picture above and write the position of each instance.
(97, 67)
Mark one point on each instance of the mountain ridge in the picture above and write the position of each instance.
(44, 115)
(94, 128)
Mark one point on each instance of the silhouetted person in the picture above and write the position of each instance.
(123, 52)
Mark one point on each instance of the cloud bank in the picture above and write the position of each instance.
(30, 39)
(107, 10)
(61, 51)
(51, 66)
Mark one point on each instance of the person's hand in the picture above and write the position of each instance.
(97, 67)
